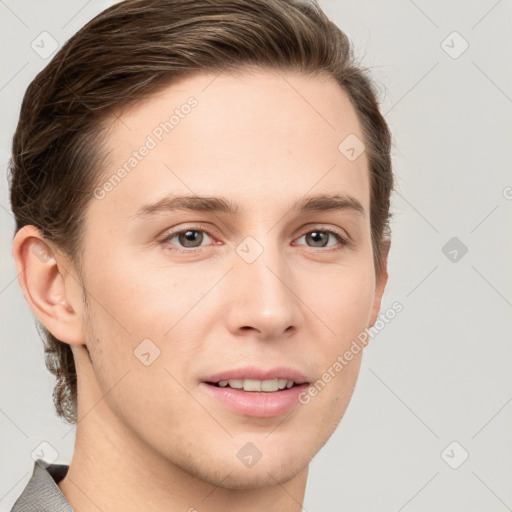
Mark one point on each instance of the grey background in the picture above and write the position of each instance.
(440, 371)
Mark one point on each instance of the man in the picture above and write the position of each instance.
(201, 192)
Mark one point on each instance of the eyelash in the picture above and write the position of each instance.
(342, 238)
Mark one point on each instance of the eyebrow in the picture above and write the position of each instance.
(317, 203)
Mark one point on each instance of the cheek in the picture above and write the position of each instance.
(135, 366)
(344, 309)
(342, 298)
(130, 301)
(142, 315)
(355, 302)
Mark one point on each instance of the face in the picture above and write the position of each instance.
(248, 286)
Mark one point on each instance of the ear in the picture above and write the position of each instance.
(51, 290)
(381, 281)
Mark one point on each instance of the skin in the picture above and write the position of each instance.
(148, 438)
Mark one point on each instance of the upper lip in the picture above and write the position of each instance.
(252, 372)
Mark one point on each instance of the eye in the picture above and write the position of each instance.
(192, 238)
(189, 238)
(320, 238)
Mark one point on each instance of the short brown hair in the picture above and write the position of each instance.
(129, 52)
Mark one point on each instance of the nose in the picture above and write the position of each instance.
(262, 301)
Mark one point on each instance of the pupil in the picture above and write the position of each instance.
(318, 234)
(190, 237)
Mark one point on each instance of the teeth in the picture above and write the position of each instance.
(252, 385)
(269, 386)
(236, 384)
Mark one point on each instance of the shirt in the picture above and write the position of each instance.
(42, 493)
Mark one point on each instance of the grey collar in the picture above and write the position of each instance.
(42, 493)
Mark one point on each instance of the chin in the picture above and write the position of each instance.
(261, 475)
(276, 468)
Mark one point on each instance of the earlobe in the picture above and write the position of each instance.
(41, 272)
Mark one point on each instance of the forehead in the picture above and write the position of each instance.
(252, 136)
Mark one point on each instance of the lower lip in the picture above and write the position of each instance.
(256, 404)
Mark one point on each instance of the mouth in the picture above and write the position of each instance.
(255, 385)
(256, 393)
